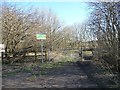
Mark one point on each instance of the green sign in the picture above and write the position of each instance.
(40, 36)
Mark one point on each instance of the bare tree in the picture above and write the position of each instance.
(105, 25)
(14, 26)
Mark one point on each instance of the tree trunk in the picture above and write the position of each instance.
(118, 61)
(118, 27)
(24, 55)
(6, 53)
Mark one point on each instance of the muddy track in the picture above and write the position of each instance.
(71, 75)
(90, 74)
(96, 76)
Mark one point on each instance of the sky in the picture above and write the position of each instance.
(68, 12)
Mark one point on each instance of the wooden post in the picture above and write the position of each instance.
(81, 53)
(46, 55)
(35, 56)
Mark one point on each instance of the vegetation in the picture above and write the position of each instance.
(101, 34)
(105, 25)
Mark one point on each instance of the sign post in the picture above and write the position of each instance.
(42, 50)
(41, 37)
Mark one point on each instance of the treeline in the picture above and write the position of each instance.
(19, 29)
(105, 22)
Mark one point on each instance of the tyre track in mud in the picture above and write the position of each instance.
(89, 72)
(92, 73)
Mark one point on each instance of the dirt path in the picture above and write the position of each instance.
(71, 75)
